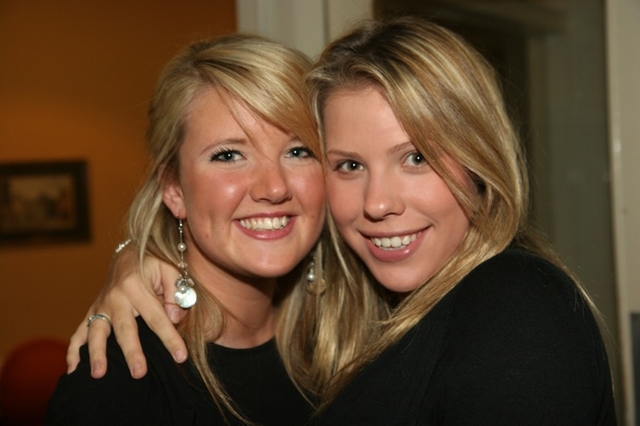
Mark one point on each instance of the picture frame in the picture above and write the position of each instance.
(44, 202)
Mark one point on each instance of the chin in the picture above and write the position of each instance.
(398, 283)
(271, 272)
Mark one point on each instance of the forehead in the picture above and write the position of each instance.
(217, 109)
(362, 113)
(215, 103)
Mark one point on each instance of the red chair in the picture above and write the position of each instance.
(28, 379)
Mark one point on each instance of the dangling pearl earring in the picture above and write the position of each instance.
(185, 296)
(311, 273)
(313, 285)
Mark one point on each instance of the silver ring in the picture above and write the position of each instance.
(94, 317)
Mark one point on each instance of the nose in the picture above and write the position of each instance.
(271, 184)
(382, 198)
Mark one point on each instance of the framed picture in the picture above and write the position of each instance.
(42, 202)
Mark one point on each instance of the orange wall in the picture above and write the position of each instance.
(75, 77)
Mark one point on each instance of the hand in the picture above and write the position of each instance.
(124, 297)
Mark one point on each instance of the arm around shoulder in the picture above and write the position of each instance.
(117, 398)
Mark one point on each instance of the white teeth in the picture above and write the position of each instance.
(265, 223)
(394, 242)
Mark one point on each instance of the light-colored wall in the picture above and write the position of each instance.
(306, 25)
(75, 78)
(623, 63)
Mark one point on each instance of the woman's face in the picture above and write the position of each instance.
(252, 195)
(390, 206)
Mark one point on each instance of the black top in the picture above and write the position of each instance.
(512, 344)
(171, 394)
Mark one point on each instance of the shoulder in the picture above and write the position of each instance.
(518, 329)
(517, 277)
(514, 264)
(516, 293)
(115, 398)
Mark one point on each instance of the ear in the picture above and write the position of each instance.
(172, 195)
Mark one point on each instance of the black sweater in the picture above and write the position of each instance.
(512, 344)
(171, 394)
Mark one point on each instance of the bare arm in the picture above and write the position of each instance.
(124, 297)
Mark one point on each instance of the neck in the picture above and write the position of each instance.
(250, 315)
(248, 304)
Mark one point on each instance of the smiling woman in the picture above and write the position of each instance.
(235, 200)
(475, 320)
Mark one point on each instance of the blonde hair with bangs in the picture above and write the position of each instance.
(267, 78)
(447, 98)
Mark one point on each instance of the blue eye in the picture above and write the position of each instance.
(226, 155)
(300, 152)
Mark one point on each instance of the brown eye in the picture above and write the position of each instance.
(416, 159)
(226, 156)
(349, 166)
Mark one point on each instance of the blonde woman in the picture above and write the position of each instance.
(428, 195)
(234, 198)
(441, 306)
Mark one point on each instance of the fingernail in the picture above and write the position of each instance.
(136, 368)
(180, 356)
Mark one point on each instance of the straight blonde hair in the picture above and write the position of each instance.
(267, 78)
(448, 100)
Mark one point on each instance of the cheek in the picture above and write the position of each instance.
(309, 187)
(216, 193)
(332, 191)
(312, 181)
(344, 199)
(450, 214)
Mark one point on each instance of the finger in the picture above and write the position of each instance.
(78, 339)
(161, 324)
(125, 329)
(154, 313)
(123, 284)
(174, 312)
(162, 316)
(98, 332)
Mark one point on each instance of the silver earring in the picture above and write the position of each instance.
(314, 286)
(311, 272)
(185, 296)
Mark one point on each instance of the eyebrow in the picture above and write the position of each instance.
(394, 149)
(342, 153)
(224, 141)
(400, 147)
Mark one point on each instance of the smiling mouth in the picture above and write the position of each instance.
(265, 223)
(394, 243)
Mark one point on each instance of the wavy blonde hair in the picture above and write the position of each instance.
(267, 78)
(447, 98)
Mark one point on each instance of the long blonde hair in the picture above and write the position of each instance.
(447, 98)
(267, 78)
